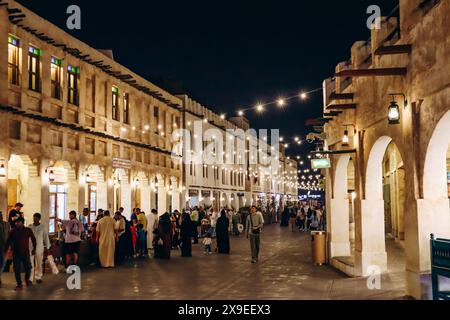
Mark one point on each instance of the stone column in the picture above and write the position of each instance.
(162, 196)
(45, 194)
(145, 197)
(82, 199)
(125, 188)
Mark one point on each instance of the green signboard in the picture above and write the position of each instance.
(323, 163)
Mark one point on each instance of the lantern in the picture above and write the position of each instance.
(345, 139)
(394, 113)
(2, 171)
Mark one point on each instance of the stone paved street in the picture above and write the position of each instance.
(284, 272)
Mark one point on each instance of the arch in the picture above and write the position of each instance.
(339, 206)
(433, 214)
(372, 246)
(95, 173)
(434, 173)
(341, 176)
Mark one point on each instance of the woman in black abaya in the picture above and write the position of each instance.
(222, 235)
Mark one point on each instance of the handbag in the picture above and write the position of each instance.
(254, 231)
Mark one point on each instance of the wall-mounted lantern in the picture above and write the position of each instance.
(394, 109)
(345, 138)
(51, 176)
(2, 171)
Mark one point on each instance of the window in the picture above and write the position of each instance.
(156, 117)
(73, 85)
(13, 60)
(56, 77)
(34, 69)
(115, 103)
(58, 200)
(126, 108)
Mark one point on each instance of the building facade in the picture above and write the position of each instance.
(230, 165)
(388, 132)
(79, 129)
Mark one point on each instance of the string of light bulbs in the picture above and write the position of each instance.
(280, 102)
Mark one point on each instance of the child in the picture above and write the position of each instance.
(133, 230)
(140, 240)
(207, 241)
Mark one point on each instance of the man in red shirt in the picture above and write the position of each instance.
(19, 238)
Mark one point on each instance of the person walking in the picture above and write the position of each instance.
(194, 219)
(223, 236)
(72, 238)
(142, 219)
(19, 239)
(84, 220)
(15, 214)
(213, 217)
(4, 233)
(254, 224)
(106, 238)
(236, 220)
(121, 244)
(42, 245)
(176, 229)
(93, 243)
(186, 235)
(152, 228)
(292, 219)
(165, 235)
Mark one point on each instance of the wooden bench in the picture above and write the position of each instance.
(440, 266)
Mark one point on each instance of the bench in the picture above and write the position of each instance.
(440, 266)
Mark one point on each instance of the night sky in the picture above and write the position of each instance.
(227, 54)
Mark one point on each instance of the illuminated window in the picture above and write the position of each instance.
(58, 204)
(115, 103)
(13, 60)
(73, 85)
(126, 108)
(34, 69)
(56, 77)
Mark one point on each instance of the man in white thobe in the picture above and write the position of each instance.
(152, 225)
(42, 243)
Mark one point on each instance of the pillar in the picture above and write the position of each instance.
(162, 196)
(45, 194)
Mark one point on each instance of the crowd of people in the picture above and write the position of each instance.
(112, 239)
(304, 217)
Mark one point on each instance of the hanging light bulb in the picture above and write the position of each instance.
(281, 102)
(240, 113)
(303, 95)
(222, 116)
(260, 108)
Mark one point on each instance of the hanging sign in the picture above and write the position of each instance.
(322, 163)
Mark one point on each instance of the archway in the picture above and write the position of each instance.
(122, 191)
(23, 185)
(433, 210)
(340, 209)
(141, 192)
(96, 191)
(382, 209)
